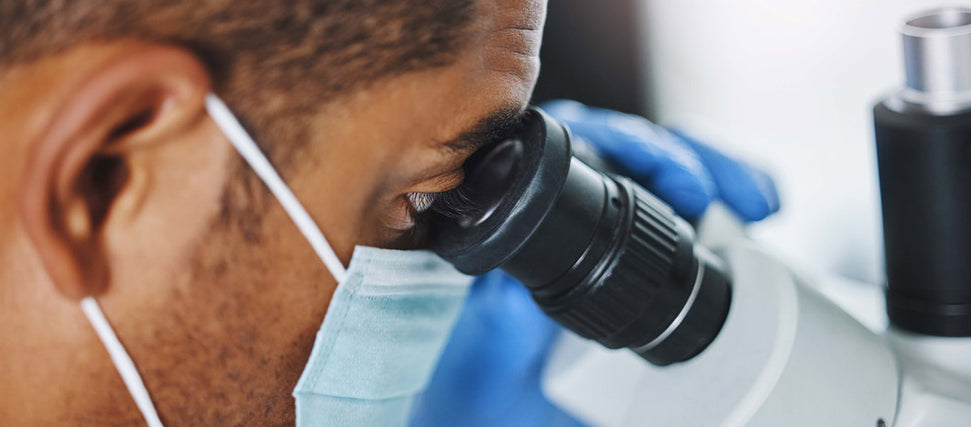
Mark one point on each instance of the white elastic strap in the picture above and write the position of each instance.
(122, 361)
(261, 165)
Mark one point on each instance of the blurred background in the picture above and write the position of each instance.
(785, 85)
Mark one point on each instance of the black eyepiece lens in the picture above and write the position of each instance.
(489, 177)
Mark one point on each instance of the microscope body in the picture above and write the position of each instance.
(793, 350)
(787, 355)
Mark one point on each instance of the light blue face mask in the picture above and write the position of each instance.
(383, 333)
(382, 336)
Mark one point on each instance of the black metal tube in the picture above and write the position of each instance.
(600, 254)
(925, 185)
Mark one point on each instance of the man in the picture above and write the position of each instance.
(119, 185)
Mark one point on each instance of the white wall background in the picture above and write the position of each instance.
(788, 85)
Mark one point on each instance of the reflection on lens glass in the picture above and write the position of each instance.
(489, 179)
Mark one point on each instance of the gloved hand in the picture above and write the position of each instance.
(489, 373)
(682, 171)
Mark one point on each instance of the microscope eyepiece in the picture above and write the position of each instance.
(600, 255)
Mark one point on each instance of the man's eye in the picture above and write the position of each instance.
(454, 203)
(421, 202)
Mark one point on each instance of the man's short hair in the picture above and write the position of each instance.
(274, 62)
(307, 50)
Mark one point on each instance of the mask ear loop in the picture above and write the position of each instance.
(123, 363)
(261, 165)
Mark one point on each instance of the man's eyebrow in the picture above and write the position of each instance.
(498, 125)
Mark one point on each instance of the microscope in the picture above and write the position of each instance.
(676, 328)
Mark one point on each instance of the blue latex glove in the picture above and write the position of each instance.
(489, 373)
(683, 172)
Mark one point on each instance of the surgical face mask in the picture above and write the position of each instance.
(385, 328)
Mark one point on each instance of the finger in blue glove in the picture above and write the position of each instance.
(648, 153)
(682, 171)
(747, 191)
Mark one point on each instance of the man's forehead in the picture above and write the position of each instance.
(506, 50)
(521, 14)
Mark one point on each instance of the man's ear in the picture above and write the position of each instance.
(81, 169)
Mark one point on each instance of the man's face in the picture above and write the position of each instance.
(220, 323)
(412, 134)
